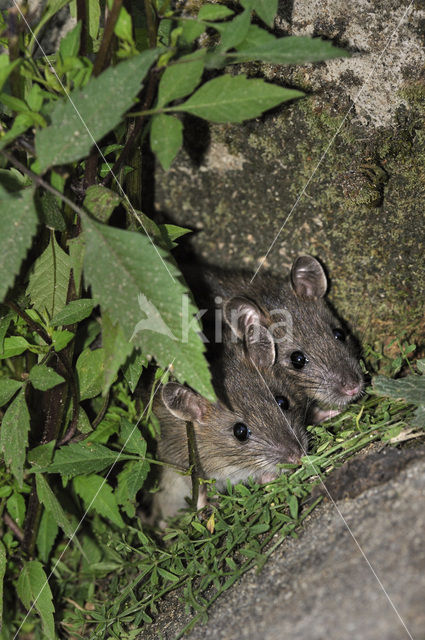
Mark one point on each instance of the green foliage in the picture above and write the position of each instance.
(80, 259)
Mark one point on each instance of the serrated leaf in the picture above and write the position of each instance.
(116, 348)
(97, 494)
(235, 99)
(133, 368)
(18, 224)
(82, 458)
(181, 77)
(43, 377)
(46, 536)
(42, 454)
(265, 9)
(15, 506)
(90, 370)
(411, 388)
(166, 138)
(8, 388)
(261, 45)
(101, 202)
(33, 589)
(133, 440)
(49, 500)
(68, 139)
(49, 280)
(144, 295)
(14, 435)
(3, 561)
(74, 311)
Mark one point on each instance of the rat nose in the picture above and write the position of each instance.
(349, 389)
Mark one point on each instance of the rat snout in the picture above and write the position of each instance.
(350, 388)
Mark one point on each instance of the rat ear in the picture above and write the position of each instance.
(260, 345)
(240, 313)
(308, 277)
(184, 403)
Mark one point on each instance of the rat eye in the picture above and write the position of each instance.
(298, 359)
(282, 402)
(241, 431)
(339, 334)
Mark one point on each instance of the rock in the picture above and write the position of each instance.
(343, 182)
(357, 570)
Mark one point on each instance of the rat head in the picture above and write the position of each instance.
(246, 433)
(295, 332)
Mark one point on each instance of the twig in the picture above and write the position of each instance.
(191, 443)
(104, 53)
(13, 526)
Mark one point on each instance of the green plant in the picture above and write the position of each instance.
(79, 257)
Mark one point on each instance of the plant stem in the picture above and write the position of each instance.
(9, 522)
(191, 443)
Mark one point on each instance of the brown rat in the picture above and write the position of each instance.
(246, 433)
(300, 338)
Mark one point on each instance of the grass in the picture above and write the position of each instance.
(115, 592)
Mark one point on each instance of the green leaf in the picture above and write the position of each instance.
(15, 506)
(50, 211)
(33, 589)
(123, 27)
(411, 388)
(14, 346)
(233, 32)
(214, 12)
(14, 436)
(77, 120)
(101, 202)
(261, 45)
(42, 454)
(116, 348)
(70, 44)
(166, 138)
(6, 68)
(53, 506)
(133, 368)
(90, 370)
(130, 480)
(144, 295)
(61, 338)
(235, 98)
(167, 575)
(181, 77)
(419, 417)
(74, 311)
(82, 458)
(43, 377)
(132, 438)
(5, 320)
(265, 9)
(49, 280)
(8, 388)
(18, 224)
(420, 364)
(97, 494)
(293, 506)
(46, 536)
(76, 249)
(3, 562)
(190, 30)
